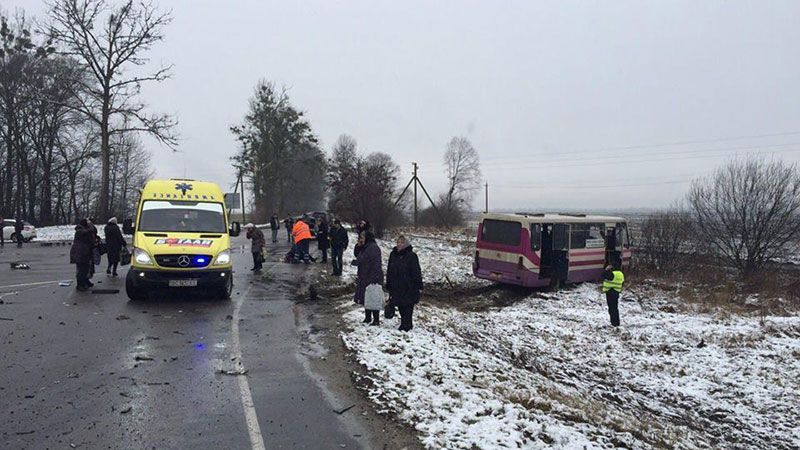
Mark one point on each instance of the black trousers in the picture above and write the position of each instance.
(406, 312)
(257, 260)
(612, 299)
(324, 252)
(336, 259)
(373, 316)
(289, 235)
(82, 274)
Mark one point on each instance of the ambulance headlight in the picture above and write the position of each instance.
(141, 257)
(224, 257)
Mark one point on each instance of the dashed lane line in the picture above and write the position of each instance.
(253, 429)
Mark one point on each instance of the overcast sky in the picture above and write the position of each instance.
(570, 104)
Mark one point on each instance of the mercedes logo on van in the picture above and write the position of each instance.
(184, 261)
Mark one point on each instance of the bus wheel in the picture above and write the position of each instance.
(226, 290)
(134, 293)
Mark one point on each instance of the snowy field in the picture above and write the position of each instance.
(548, 371)
(60, 233)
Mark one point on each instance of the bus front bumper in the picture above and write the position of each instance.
(155, 279)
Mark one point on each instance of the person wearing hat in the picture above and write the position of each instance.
(256, 246)
(339, 243)
(114, 244)
(613, 278)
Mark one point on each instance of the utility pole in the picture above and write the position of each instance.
(241, 180)
(486, 210)
(416, 180)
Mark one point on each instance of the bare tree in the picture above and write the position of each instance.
(463, 168)
(109, 41)
(664, 239)
(748, 211)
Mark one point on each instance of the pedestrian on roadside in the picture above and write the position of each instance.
(302, 238)
(289, 224)
(80, 254)
(370, 274)
(2, 232)
(256, 246)
(339, 242)
(19, 226)
(361, 227)
(114, 244)
(404, 281)
(96, 256)
(613, 279)
(323, 240)
(274, 225)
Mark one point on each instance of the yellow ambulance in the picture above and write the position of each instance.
(181, 239)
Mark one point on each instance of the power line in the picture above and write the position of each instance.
(546, 186)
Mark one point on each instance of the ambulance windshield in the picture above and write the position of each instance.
(182, 217)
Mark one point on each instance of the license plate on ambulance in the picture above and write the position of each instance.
(183, 283)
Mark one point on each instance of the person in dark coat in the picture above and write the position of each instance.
(274, 226)
(339, 242)
(2, 232)
(81, 254)
(19, 226)
(96, 256)
(323, 242)
(370, 271)
(289, 224)
(257, 245)
(114, 244)
(361, 227)
(404, 281)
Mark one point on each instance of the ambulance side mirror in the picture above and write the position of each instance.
(127, 226)
(235, 229)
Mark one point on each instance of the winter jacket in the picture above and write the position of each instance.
(114, 239)
(322, 236)
(19, 227)
(370, 270)
(339, 238)
(300, 231)
(288, 223)
(403, 277)
(82, 245)
(273, 223)
(258, 241)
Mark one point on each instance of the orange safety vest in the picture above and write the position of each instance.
(300, 231)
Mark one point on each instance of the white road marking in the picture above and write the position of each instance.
(29, 284)
(256, 440)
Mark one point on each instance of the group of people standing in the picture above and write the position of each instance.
(87, 250)
(403, 280)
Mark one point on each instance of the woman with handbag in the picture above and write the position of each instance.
(403, 281)
(257, 246)
(114, 244)
(369, 282)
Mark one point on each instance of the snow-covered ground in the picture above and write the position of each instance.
(548, 371)
(64, 233)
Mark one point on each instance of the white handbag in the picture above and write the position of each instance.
(374, 297)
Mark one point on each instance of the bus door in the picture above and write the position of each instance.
(616, 237)
(560, 257)
(545, 247)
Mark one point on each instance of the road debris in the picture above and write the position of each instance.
(122, 317)
(143, 358)
(19, 266)
(7, 318)
(344, 410)
(232, 372)
(65, 283)
(126, 410)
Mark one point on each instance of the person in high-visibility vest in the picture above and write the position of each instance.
(613, 279)
(302, 236)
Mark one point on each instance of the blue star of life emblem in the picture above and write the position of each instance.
(183, 187)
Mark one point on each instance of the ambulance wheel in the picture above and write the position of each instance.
(134, 293)
(226, 290)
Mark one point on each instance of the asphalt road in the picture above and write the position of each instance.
(90, 370)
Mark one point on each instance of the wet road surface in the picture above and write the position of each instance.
(84, 370)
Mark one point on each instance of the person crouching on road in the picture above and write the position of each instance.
(257, 244)
(114, 244)
(339, 243)
(81, 254)
(370, 274)
(613, 279)
(404, 281)
(302, 238)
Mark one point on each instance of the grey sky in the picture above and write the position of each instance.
(525, 81)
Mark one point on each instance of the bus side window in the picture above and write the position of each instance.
(536, 237)
(621, 231)
(561, 237)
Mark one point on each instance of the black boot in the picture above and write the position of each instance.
(367, 317)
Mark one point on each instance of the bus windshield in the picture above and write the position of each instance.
(182, 217)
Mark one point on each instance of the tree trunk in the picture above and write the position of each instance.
(105, 168)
